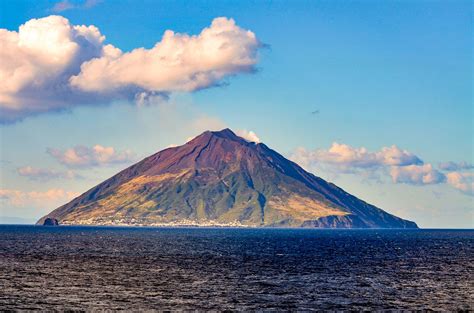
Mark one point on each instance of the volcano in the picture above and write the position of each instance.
(220, 179)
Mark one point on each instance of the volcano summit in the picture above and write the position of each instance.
(220, 179)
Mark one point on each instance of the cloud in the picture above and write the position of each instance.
(417, 174)
(68, 5)
(51, 65)
(459, 175)
(62, 6)
(345, 156)
(91, 3)
(49, 198)
(37, 62)
(462, 181)
(396, 156)
(402, 166)
(178, 62)
(44, 174)
(248, 135)
(82, 156)
(455, 166)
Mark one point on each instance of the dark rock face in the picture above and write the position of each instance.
(50, 222)
(334, 221)
(221, 178)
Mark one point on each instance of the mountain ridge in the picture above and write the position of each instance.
(220, 179)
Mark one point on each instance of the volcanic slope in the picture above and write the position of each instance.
(221, 179)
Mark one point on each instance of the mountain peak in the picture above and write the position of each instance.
(225, 133)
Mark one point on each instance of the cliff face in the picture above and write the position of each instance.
(219, 178)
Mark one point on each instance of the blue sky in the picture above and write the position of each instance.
(378, 73)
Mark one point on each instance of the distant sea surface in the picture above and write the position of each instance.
(57, 268)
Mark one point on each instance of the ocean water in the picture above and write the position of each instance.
(60, 268)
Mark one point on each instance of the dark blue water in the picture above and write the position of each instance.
(185, 268)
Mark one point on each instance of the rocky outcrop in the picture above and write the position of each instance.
(50, 222)
(348, 221)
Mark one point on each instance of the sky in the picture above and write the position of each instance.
(375, 96)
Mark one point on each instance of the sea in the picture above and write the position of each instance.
(139, 268)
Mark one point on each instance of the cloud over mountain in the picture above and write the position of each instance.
(50, 64)
(248, 135)
(178, 62)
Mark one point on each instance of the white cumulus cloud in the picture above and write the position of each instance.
(345, 156)
(50, 64)
(417, 174)
(402, 166)
(178, 62)
(82, 156)
(462, 181)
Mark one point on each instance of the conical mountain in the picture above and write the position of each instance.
(219, 178)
